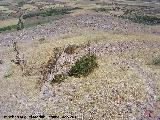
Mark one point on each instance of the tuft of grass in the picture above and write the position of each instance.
(58, 78)
(8, 75)
(70, 49)
(84, 66)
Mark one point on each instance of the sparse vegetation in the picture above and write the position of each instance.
(84, 66)
(51, 64)
(8, 75)
(18, 60)
(50, 12)
(20, 24)
(11, 27)
(42, 13)
(156, 61)
(70, 49)
(101, 9)
(80, 60)
(58, 78)
(41, 40)
(1, 61)
(144, 19)
(17, 57)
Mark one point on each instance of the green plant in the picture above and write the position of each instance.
(50, 12)
(70, 49)
(142, 18)
(8, 75)
(58, 78)
(11, 27)
(20, 25)
(101, 9)
(84, 66)
(156, 61)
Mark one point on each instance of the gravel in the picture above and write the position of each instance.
(61, 98)
(67, 24)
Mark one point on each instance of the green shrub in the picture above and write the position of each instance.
(156, 61)
(58, 78)
(84, 66)
(143, 19)
(11, 27)
(29, 15)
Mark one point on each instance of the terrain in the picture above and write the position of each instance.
(36, 60)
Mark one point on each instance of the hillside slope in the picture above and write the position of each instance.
(125, 86)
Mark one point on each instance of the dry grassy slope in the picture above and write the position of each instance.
(111, 92)
(124, 84)
(4, 23)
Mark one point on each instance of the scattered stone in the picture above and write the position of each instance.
(1, 61)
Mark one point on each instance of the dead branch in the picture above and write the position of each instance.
(18, 60)
(50, 67)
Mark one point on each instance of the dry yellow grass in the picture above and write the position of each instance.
(120, 84)
(3, 8)
(15, 83)
(8, 22)
(9, 11)
(38, 54)
(117, 86)
(41, 53)
(29, 7)
(112, 87)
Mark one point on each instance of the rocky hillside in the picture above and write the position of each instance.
(86, 65)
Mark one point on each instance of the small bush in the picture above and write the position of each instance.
(11, 27)
(84, 66)
(143, 19)
(156, 61)
(101, 9)
(58, 78)
(70, 49)
(8, 75)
